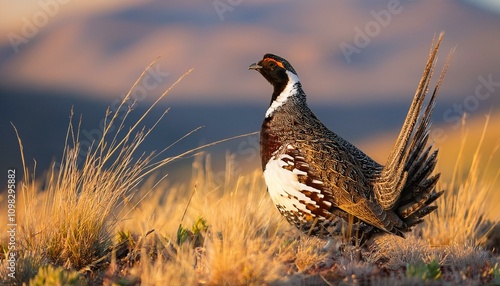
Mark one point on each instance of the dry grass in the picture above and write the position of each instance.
(69, 219)
(110, 221)
(463, 141)
(463, 209)
(238, 245)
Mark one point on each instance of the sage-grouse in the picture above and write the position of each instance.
(320, 182)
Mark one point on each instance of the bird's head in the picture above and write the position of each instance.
(276, 70)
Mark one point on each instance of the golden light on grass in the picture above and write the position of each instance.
(463, 215)
(111, 220)
(70, 220)
(246, 243)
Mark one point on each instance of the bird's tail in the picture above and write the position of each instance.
(405, 183)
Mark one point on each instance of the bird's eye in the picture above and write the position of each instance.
(272, 65)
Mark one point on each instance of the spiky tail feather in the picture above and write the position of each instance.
(405, 183)
(419, 190)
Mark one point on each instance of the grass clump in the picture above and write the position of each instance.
(56, 276)
(195, 235)
(462, 214)
(72, 220)
(495, 274)
(241, 238)
(69, 219)
(429, 271)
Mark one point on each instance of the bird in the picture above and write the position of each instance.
(320, 182)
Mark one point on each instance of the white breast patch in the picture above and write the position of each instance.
(284, 187)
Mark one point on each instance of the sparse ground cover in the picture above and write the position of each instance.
(113, 220)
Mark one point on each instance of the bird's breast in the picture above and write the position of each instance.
(270, 140)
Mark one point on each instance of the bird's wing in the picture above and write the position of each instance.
(343, 181)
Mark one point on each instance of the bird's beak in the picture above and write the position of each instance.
(254, 66)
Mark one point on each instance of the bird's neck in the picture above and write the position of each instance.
(283, 94)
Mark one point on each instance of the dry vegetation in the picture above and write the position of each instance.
(110, 220)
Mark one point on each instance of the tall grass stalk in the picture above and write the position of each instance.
(462, 214)
(245, 231)
(70, 219)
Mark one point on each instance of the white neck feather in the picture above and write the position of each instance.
(290, 89)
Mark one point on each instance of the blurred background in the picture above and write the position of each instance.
(359, 62)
